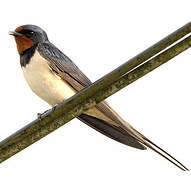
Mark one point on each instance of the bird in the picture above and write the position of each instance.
(54, 77)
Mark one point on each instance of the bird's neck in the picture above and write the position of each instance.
(26, 55)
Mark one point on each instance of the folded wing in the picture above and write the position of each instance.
(101, 117)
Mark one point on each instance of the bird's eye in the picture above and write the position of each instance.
(26, 32)
(29, 34)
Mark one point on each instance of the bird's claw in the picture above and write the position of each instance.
(39, 115)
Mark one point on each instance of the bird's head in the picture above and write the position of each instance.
(27, 36)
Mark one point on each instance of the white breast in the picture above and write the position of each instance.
(46, 84)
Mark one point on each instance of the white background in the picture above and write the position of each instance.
(99, 36)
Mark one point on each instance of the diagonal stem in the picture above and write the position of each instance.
(97, 92)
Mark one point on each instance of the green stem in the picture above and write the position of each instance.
(97, 92)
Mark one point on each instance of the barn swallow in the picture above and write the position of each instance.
(54, 78)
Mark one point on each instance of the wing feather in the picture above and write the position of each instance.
(67, 70)
(101, 117)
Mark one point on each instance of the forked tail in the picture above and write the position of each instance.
(148, 143)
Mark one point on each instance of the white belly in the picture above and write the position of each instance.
(44, 82)
(48, 86)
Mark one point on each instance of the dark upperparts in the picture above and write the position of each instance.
(27, 38)
(32, 32)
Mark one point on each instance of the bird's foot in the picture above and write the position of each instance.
(54, 107)
(39, 115)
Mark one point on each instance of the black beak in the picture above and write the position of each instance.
(13, 33)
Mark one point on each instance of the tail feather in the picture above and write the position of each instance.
(185, 168)
(148, 143)
(111, 131)
(126, 134)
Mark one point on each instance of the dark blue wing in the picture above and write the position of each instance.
(68, 71)
(63, 66)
